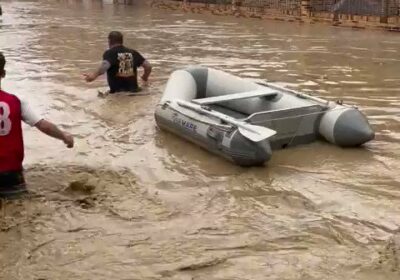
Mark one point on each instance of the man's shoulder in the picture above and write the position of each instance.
(131, 50)
(108, 52)
(116, 50)
(111, 52)
(9, 96)
(5, 93)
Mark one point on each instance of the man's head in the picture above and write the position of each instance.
(115, 38)
(2, 65)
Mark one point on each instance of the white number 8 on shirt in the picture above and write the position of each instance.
(5, 122)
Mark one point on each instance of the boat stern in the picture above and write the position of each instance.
(244, 152)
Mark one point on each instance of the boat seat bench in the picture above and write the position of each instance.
(236, 96)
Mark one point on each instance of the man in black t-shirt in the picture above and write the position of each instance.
(121, 65)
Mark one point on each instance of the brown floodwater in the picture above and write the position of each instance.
(157, 207)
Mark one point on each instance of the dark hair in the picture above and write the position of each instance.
(2, 64)
(115, 37)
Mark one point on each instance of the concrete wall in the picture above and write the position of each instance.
(384, 14)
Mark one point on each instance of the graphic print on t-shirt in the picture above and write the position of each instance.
(125, 68)
(5, 122)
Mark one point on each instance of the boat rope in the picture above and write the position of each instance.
(302, 116)
(295, 134)
(298, 116)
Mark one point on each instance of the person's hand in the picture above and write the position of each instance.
(145, 83)
(68, 140)
(89, 77)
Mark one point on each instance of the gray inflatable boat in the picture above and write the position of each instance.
(244, 121)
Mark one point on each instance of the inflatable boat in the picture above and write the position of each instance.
(244, 121)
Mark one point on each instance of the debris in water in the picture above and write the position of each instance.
(203, 264)
(84, 186)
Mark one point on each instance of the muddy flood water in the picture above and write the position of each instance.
(157, 207)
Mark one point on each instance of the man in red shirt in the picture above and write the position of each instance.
(12, 112)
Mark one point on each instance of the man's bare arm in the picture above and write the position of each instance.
(52, 130)
(147, 70)
(104, 66)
